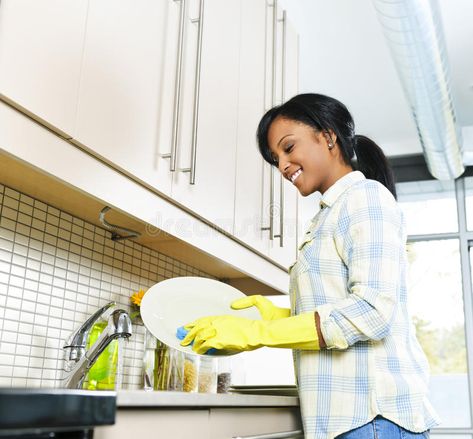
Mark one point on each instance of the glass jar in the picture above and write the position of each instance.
(156, 363)
(191, 373)
(208, 375)
(224, 377)
(176, 372)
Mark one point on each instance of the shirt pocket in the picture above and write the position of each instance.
(308, 239)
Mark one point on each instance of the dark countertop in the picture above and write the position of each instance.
(37, 411)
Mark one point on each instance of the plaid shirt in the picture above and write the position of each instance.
(351, 269)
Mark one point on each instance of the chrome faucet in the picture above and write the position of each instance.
(78, 361)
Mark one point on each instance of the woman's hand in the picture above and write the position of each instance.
(237, 334)
(266, 308)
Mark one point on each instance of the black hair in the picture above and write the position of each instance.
(325, 114)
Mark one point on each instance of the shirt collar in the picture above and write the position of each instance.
(339, 187)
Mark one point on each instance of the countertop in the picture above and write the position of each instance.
(38, 411)
(162, 399)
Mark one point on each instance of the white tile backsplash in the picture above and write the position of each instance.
(55, 271)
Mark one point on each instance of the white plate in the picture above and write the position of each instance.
(174, 302)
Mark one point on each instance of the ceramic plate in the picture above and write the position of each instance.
(174, 302)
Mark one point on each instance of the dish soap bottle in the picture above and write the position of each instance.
(102, 375)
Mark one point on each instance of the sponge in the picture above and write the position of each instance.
(181, 332)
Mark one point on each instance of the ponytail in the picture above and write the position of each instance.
(372, 162)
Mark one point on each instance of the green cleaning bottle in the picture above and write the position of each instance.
(102, 374)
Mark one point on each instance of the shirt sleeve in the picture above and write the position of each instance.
(370, 240)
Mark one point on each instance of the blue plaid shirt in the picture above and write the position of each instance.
(351, 269)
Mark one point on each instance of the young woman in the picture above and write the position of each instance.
(361, 372)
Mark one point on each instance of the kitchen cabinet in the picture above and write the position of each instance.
(41, 45)
(265, 203)
(200, 422)
(249, 188)
(160, 100)
(36, 161)
(282, 197)
(213, 423)
(126, 98)
(129, 82)
(232, 422)
(164, 423)
(211, 195)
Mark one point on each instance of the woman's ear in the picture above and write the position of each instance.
(331, 138)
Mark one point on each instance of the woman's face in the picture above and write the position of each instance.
(304, 157)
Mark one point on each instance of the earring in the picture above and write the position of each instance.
(329, 140)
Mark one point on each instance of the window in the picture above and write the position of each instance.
(429, 206)
(469, 202)
(439, 217)
(436, 305)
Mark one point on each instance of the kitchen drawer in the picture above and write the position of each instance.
(249, 421)
(149, 423)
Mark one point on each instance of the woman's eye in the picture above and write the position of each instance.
(289, 149)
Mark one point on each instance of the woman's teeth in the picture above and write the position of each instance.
(295, 175)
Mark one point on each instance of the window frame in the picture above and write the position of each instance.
(465, 239)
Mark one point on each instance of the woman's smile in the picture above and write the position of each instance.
(294, 176)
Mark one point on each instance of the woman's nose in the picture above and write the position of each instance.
(284, 166)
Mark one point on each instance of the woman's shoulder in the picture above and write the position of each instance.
(369, 193)
(372, 187)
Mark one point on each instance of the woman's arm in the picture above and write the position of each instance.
(369, 239)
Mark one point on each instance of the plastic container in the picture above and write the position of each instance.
(208, 375)
(191, 373)
(103, 374)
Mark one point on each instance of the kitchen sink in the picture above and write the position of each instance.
(54, 413)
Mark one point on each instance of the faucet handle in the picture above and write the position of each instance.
(78, 339)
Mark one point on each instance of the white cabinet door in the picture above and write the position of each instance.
(291, 60)
(253, 421)
(154, 423)
(215, 123)
(41, 43)
(126, 101)
(249, 208)
(268, 70)
(283, 246)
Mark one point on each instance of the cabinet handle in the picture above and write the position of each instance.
(177, 89)
(281, 212)
(271, 205)
(273, 103)
(280, 435)
(283, 57)
(283, 97)
(275, 47)
(195, 121)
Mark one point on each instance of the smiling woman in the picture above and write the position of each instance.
(357, 359)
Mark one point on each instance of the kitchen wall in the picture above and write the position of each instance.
(56, 270)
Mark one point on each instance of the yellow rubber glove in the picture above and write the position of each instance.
(267, 309)
(236, 334)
